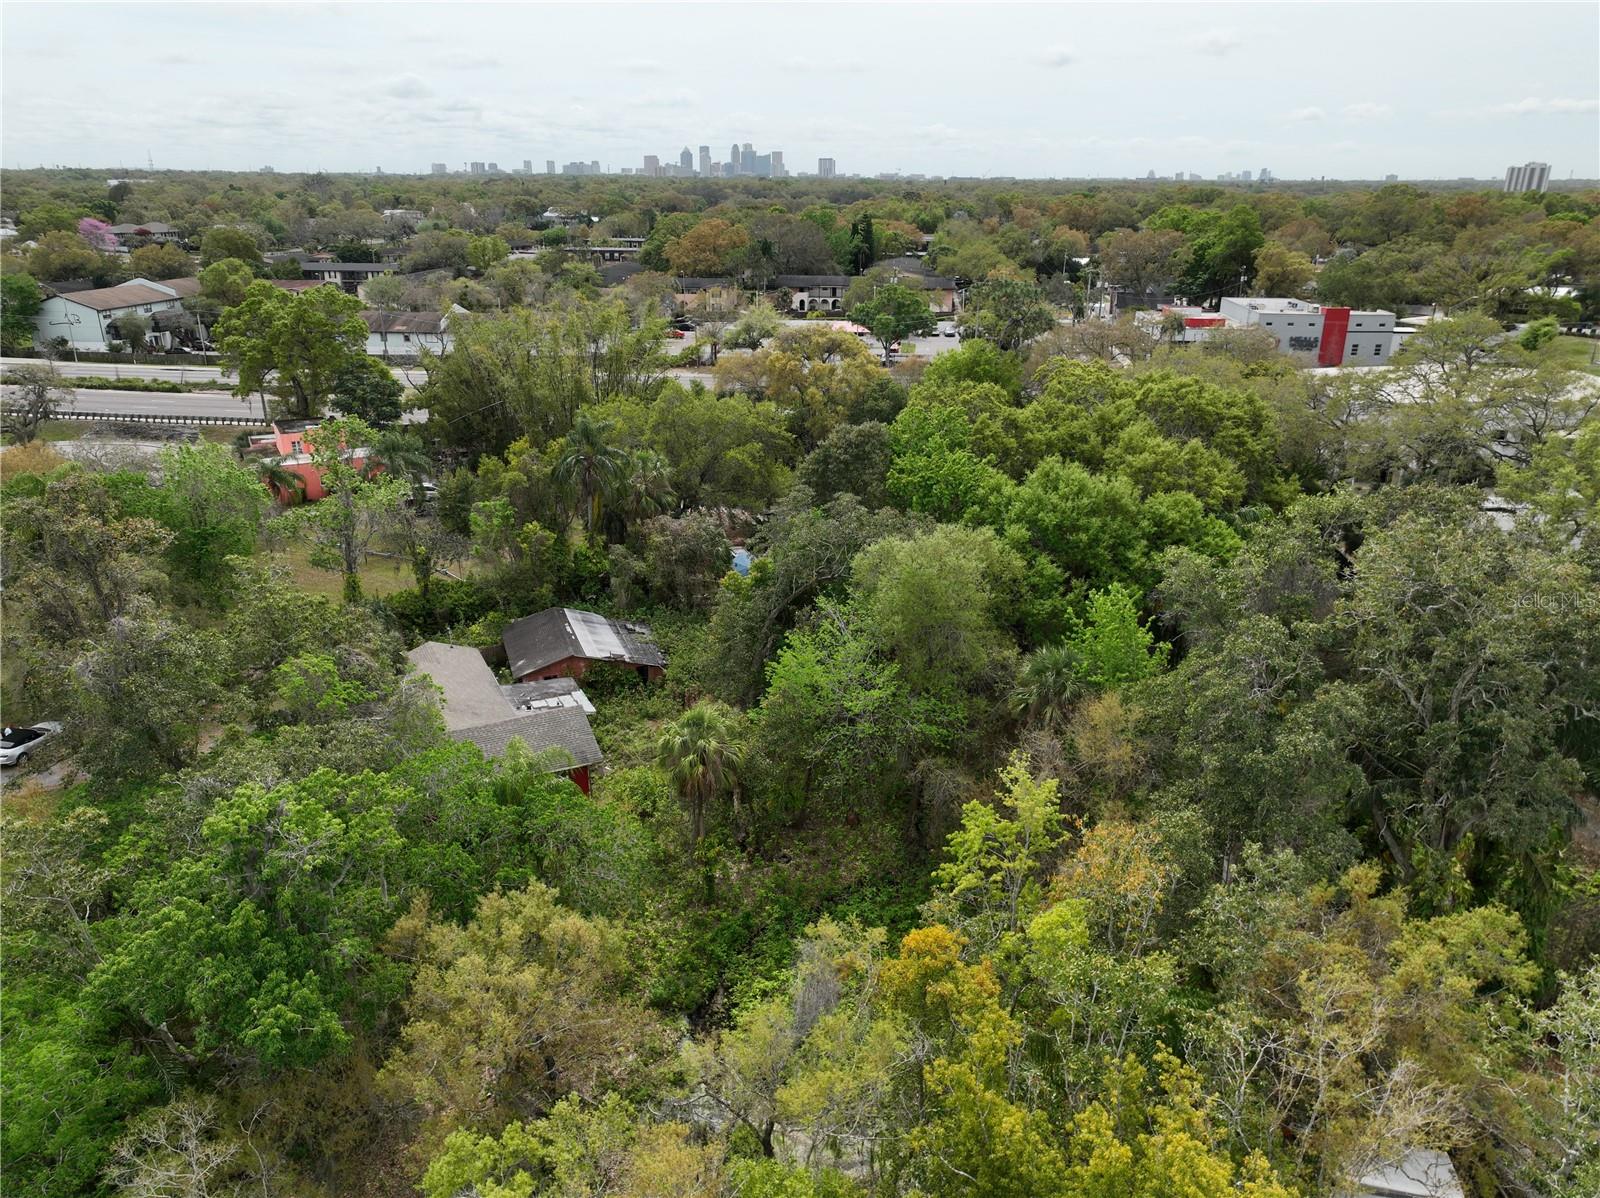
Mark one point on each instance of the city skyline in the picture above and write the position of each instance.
(1222, 85)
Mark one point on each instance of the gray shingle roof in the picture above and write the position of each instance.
(813, 280)
(564, 729)
(124, 295)
(477, 709)
(557, 633)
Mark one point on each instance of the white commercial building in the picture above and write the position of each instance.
(1337, 336)
(1531, 176)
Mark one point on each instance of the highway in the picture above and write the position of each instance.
(410, 375)
(159, 403)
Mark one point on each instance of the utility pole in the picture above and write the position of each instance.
(69, 319)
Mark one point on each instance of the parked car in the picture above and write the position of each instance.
(17, 743)
(676, 334)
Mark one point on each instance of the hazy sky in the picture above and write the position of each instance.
(1343, 90)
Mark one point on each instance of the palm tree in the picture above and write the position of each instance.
(1049, 686)
(286, 485)
(701, 755)
(647, 486)
(590, 467)
(402, 454)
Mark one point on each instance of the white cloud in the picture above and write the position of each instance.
(1534, 105)
(407, 87)
(1531, 106)
(1217, 42)
(1366, 112)
(1313, 113)
(1054, 57)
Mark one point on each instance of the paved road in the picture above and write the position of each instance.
(410, 375)
(158, 403)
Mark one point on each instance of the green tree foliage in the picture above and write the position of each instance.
(222, 243)
(294, 344)
(20, 301)
(226, 281)
(892, 312)
(358, 504)
(526, 1004)
(366, 389)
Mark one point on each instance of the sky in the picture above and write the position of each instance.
(1346, 90)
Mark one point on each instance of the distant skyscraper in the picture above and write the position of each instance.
(1534, 176)
(747, 160)
(440, 168)
(549, 166)
(777, 164)
(494, 168)
(652, 165)
(686, 160)
(527, 166)
(733, 160)
(1391, 178)
(705, 160)
(1245, 176)
(1265, 176)
(476, 168)
(825, 168)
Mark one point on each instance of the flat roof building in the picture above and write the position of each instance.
(1531, 176)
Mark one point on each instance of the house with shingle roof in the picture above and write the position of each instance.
(88, 319)
(552, 721)
(403, 334)
(563, 642)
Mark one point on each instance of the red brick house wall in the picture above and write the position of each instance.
(577, 667)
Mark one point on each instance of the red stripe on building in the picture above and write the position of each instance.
(1335, 327)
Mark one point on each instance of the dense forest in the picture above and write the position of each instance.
(1126, 769)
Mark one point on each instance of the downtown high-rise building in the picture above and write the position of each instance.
(825, 168)
(686, 161)
(652, 165)
(1533, 176)
(705, 161)
(549, 166)
(777, 164)
(732, 167)
(747, 160)
(441, 168)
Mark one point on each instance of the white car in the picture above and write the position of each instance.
(17, 743)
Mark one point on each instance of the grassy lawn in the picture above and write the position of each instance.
(379, 576)
(1579, 353)
(62, 430)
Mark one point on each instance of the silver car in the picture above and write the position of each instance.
(17, 743)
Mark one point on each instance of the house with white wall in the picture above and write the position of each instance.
(87, 320)
(404, 334)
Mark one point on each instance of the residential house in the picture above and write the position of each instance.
(551, 719)
(561, 642)
(347, 275)
(686, 290)
(403, 334)
(87, 319)
(814, 293)
(288, 445)
(944, 294)
(143, 234)
(618, 249)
